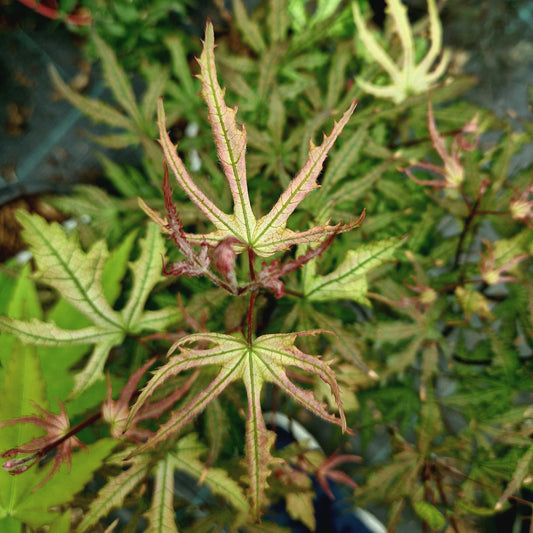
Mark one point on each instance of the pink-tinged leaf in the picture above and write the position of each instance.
(193, 408)
(272, 227)
(223, 222)
(269, 275)
(230, 139)
(225, 257)
(225, 351)
(328, 471)
(264, 360)
(264, 237)
(290, 238)
(274, 352)
(116, 413)
(57, 428)
(259, 440)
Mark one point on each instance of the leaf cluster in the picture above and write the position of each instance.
(421, 320)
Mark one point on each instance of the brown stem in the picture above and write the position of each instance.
(54, 14)
(438, 481)
(466, 227)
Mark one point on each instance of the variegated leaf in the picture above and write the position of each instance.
(348, 281)
(266, 359)
(269, 234)
(77, 276)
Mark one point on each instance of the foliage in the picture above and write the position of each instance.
(421, 320)
(411, 78)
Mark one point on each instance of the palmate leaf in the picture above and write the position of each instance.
(348, 281)
(184, 456)
(265, 359)
(77, 276)
(112, 495)
(269, 234)
(161, 513)
(408, 78)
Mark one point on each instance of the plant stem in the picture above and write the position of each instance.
(253, 296)
(71, 432)
(466, 227)
(249, 317)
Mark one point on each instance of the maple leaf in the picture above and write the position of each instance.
(116, 413)
(269, 234)
(264, 359)
(57, 437)
(77, 276)
(328, 471)
(452, 170)
(408, 78)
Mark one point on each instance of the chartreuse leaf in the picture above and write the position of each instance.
(269, 234)
(409, 77)
(523, 469)
(161, 513)
(430, 515)
(22, 385)
(186, 458)
(300, 507)
(21, 388)
(348, 281)
(77, 276)
(265, 359)
(117, 80)
(113, 493)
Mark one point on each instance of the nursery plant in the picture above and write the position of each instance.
(245, 356)
(374, 284)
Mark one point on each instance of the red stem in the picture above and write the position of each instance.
(76, 429)
(249, 317)
(54, 14)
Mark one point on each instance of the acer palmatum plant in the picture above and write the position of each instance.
(254, 360)
(241, 355)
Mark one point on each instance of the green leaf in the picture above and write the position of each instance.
(96, 110)
(64, 485)
(522, 470)
(278, 21)
(9, 525)
(117, 80)
(348, 281)
(430, 515)
(21, 386)
(161, 513)
(61, 524)
(300, 507)
(250, 30)
(180, 66)
(113, 493)
(77, 276)
(185, 458)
